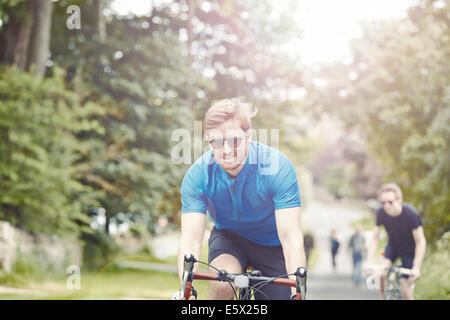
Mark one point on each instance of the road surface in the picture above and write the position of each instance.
(323, 282)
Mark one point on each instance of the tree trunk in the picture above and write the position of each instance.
(100, 27)
(107, 224)
(191, 12)
(16, 36)
(40, 37)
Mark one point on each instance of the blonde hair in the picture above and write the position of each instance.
(229, 109)
(390, 187)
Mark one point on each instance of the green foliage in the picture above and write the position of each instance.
(39, 153)
(100, 250)
(429, 158)
(434, 283)
(141, 79)
(397, 95)
(30, 267)
(5, 8)
(337, 179)
(366, 222)
(169, 205)
(414, 122)
(151, 83)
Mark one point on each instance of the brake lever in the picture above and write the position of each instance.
(188, 274)
(300, 287)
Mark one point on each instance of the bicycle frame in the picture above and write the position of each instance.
(244, 281)
(393, 291)
(393, 286)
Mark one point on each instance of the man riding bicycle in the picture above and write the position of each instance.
(406, 237)
(250, 192)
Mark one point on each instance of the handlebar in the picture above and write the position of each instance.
(401, 270)
(240, 280)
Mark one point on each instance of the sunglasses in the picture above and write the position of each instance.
(234, 142)
(384, 202)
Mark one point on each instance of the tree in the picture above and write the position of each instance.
(396, 93)
(149, 80)
(138, 74)
(41, 152)
(40, 36)
(26, 34)
(15, 32)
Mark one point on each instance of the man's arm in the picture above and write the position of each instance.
(421, 243)
(191, 238)
(291, 238)
(373, 245)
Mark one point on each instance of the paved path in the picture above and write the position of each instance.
(165, 245)
(323, 282)
(328, 286)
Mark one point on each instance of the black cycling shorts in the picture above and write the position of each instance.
(267, 259)
(406, 258)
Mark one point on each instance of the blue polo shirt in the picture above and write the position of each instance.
(245, 204)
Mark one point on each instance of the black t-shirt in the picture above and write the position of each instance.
(399, 228)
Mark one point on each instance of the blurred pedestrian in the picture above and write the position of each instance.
(334, 247)
(308, 243)
(357, 244)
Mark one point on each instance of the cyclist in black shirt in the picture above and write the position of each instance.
(406, 237)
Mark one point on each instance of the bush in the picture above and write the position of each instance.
(434, 283)
(34, 266)
(40, 153)
(100, 249)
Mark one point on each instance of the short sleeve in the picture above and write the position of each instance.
(414, 221)
(286, 192)
(193, 198)
(418, 222)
